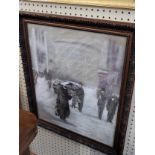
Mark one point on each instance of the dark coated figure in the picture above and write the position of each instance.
(48, 77)
(111, 107)
(77, 93)
(62, 101)
(101, 95)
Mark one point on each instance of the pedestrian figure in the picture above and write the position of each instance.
(62, 101)
(111, 107)
(48, 77)
(77, 93)
(101, 95)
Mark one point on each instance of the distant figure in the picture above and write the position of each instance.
(62, 101)
(77, 93)
(48, 77)
(101, 95)
(111, 107)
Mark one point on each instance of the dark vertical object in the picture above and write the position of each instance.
(101, 96)
(27, 131)
(27, 65)
(111, 107)
(62, 101)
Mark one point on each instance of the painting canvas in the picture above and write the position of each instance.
(77, 77)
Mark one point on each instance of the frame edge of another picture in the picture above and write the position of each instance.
(126, 89)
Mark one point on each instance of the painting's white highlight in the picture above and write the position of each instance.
(67, 82)
(46, 50)
(33, 43)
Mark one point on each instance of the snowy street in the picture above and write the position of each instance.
(85, 123)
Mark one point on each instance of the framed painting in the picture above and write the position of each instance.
(79, 75)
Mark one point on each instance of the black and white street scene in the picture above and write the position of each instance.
(77, 77)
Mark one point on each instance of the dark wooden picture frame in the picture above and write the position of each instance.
(108, 27)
